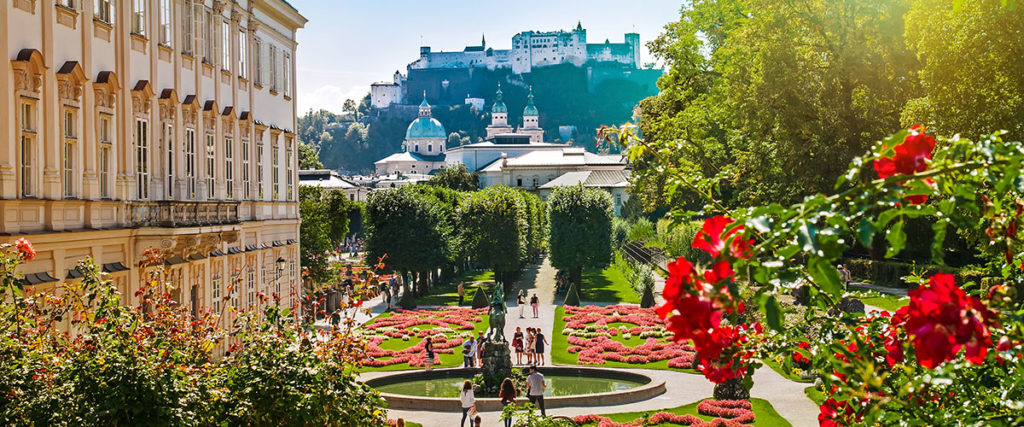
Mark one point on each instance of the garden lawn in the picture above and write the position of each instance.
(447, 360)
(780, 368)
(764, 414)
(561, 356)
(886, 302)
(816, 396)
(449, 294)
(608, 285)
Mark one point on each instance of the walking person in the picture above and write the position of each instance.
(541, 340)
(468, 352)
(535, 389)
(521, 302)
(508, 397)
(517, 344)
(468, 401)
(462, 293)
(428, 349)
(480, 348)
(534, 302)
(531, 346)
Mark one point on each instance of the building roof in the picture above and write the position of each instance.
(600, 179)
(530, 109)
(425, 127)
(566, 157)
(324, 178)
(406, 156)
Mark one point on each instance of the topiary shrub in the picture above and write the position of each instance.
(647, 300)
(480, 299)
(572, 297)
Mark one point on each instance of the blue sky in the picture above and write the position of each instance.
(349, 44)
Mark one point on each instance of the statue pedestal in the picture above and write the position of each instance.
(496, 366)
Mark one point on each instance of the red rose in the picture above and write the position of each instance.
(941, 319)
(835, 413)
(25, 248)
(910, 157)
(711, 240)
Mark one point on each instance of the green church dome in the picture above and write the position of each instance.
(499, 105)
(425, 127)
(530, 109)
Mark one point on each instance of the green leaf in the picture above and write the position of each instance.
(788, 251)
(866, 232)
(939, 233)
(805, 237)
(897, 239)
(825, 275)
(773, 313)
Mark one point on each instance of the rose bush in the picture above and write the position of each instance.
(77, 356)
(589, 336)
(953, 356)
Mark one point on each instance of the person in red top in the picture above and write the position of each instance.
(508, 397)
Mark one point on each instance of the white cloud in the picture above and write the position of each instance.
(330, 97)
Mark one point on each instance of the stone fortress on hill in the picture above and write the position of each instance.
(530, 50)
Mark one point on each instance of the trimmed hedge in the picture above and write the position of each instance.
(480, 299)
(891, 273)
(572, 297)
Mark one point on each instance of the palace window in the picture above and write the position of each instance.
(102, 11)
(165, 22)
(257, 75)
(225, 45)
(199, 31)
(289, 171)
(229, 167)
(70, 123)
(259, 168)
(250, 285)
(246, 194)
(69, 169)
(187, 23)
(243, 53)
(105, 171)
(211, 167)
(169, 144)
(28, 137)
(139, 17)
(208, 52)
(215, 294)
(287, 69)
(142, 158)
(70, 4)
(275, 171)
(190, 162)
(273, 68)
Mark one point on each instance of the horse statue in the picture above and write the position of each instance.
(496, 329)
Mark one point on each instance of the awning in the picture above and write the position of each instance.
(216, 253)
(278, 243)
(38, 278)
(175, 260)
(114, 267)
(250, 248)
(195, 257)
(291, 241)
(74, 273)
(234, 250)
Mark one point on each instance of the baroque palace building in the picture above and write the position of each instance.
(153, 124)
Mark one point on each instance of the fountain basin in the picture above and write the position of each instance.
(594, 387)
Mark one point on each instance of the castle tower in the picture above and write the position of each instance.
(531, 120)
(499, 116)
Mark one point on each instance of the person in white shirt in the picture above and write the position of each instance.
(535, 389)
(468, 352)
(468, 401)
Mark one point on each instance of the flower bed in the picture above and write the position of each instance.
(590, 335)
(727, 413)
(445, 326)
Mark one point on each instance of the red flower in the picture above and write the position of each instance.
(25, 248)
(719, 272)
(697, 317)
(680, 272)
(798, 356)
(910, 157)
(711, 240)
(941, 319)
(835, 413)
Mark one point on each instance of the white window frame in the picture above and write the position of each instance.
(225, 45)
(246, 191)
(139, 17)
(188, 39)
(286, 68)
(166, 34)
(229, 168)
(169, 145)
(259, 168)
(243, 53)
(288, 170)
(211, 166)
(257, 75)
(275, 166)
(103, 11)
(68, 159)
(141, 142)
(28, 147)
(190, 162)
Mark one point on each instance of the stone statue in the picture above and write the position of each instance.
(496, 331)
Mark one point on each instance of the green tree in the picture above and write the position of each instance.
(314, 232)
(350, 107)
(581, 230)
(308, 158)
(495, 230)
(971, 67)
(455, 177)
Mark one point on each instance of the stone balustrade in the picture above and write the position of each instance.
(173, 213)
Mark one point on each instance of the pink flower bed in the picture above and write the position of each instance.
(729, 413)
(401, 325)
(598, 349)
